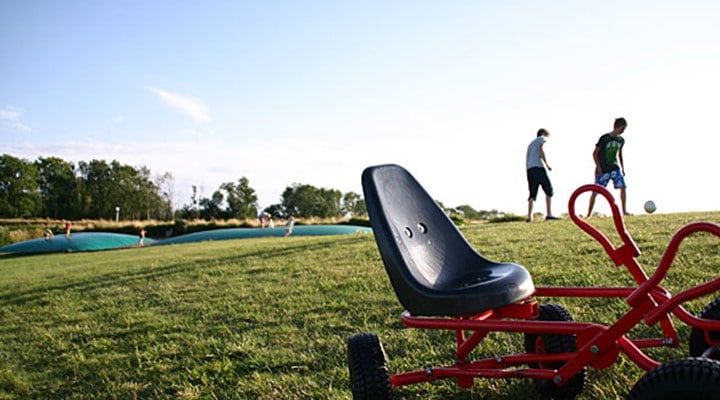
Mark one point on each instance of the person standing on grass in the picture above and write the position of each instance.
(289, 226)
(48, 233)
(537, 176)
(262, 217)
(609, 165)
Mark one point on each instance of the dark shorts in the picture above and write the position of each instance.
(615, 175)
(538, 177)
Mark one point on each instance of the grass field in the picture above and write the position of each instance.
(269, 318)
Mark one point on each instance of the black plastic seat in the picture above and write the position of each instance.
(432, 267)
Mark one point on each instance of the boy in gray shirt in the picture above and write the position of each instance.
(537, 174)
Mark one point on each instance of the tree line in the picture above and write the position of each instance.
(51, 187)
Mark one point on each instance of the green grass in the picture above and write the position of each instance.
(269, 318)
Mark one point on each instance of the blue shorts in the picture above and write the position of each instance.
(615, 175)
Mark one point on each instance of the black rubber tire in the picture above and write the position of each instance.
(698, 344)
(551, 344)
(369, 377)
(686, 379)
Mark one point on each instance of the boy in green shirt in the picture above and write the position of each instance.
(609, 163)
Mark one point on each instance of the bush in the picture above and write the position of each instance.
(458, 219)
(357, 221)
(4, 236)
(507, 218)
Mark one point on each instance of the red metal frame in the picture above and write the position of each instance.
(598, 345)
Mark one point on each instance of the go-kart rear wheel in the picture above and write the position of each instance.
(698, 342)
(369, 377)
(551, 344)
(687, 379)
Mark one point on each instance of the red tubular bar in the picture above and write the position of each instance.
(451, 372)
(488, 368)
(495, 325)
(700, 323)
(669, 256)
(624, 255)
(618, 255)
(602, 339)
(636, 355)
(548, 291)
(646, 343)
(673, 305)
(595, 292)
(467, 346)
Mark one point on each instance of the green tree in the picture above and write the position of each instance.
(166, 188)
(107, 186)
(330, 204)
(469, 212)
(192, 210)
(149, 203)
(276, 211)
(297, 200)
(57, 187)
(125, 190)
(241, 199)
(211, 208)
(307, 201)
(353, 204)
(95, 199)
(19, 192)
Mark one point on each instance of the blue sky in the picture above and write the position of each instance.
(314, 91)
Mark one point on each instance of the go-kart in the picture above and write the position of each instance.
(443, 283)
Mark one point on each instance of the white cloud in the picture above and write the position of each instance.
(13, 116)
(11, 113)
(192, 107)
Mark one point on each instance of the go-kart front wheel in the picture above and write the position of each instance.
(698, 341)
(687, 379)
(551, 344)
(369, 377)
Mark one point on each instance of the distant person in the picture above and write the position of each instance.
(537, 176)
(271, 223)
(48, 233)
(68, 228)
(141, 243)
(289, 226)
(262, 217)
(609, 163)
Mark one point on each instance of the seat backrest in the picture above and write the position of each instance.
(422, 249)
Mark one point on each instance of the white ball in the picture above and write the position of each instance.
(650, 206)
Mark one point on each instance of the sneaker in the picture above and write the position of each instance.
(551, 218)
